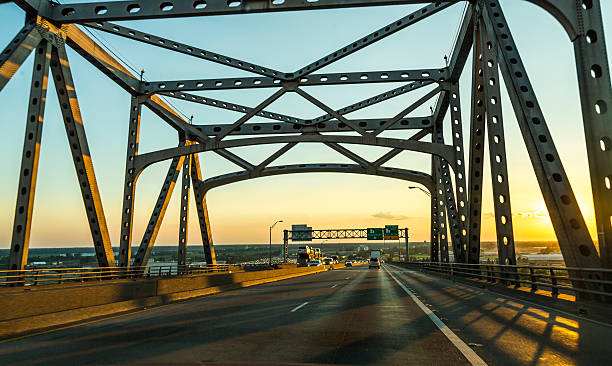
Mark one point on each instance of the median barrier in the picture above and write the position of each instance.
(30, 309)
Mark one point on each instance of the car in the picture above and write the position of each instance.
(314, 263)
(348, 264)
(374, 263)
(328, 261)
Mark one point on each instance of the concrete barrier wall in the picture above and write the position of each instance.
(29, 309)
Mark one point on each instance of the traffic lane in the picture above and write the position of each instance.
(508, 331)
(369, 321)
(178, 332)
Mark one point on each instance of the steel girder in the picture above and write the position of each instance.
(20, 242)
(497, 148)
(129, 187)
(460, 179)
(477, 141)
(444, 151)
(596, 98)
(440, 205)
(434, 239)
(146, 245)
(79, 148)
(184, 211)
(339, 78)
(294, 120)
(403, 174)
(572, 234)
(140, 9)
(266, 128)
(18, 50)
(202, 208)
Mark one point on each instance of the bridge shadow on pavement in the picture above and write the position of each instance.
(510, 331)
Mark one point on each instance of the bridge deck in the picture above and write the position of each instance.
(349, 316)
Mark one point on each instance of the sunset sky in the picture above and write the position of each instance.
(242, 212)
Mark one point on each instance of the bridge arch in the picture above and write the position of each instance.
(404, 174)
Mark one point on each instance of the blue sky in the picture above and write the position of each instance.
(242, 212)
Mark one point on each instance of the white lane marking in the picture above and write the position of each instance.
(334, 286)
(469, 353)
(299, 307)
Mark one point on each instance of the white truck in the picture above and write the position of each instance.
(374, 259)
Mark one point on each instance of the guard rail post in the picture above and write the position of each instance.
(532, 278)
(553, 282)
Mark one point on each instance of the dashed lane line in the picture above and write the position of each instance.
(299, 307)
(469, 353)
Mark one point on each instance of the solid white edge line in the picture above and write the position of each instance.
(469, 353)
(535, 305)
(299, 307)
(334, 286)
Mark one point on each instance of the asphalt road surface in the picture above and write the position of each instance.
(347, 316)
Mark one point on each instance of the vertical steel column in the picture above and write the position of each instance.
(129, 187)
(202, 208)
(596, 98)
(146, 245)
(285, 246)
(460, 181)
(434, 243)
(477, 135)
(407, 248)
(184, 213)
(572, 234)
(71, 112)
(17, 51)
(441, 214)
(451, 212)
(20, 242)
(497, 149)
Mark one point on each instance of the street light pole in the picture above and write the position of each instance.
(270, 247)
(421, 189)
(428, 195)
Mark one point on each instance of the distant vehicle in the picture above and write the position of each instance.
(328, 261)
(374, 259)
(305, 254)
(348, 264)
(335, 258)
(314, 263)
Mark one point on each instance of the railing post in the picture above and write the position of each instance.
(532, 278)
(553, 281)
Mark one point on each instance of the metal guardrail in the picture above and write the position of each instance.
(578, 282)
(46, 276)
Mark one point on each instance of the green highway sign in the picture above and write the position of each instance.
(375, 233)
(391, 232)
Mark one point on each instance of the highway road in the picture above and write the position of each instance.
(358, 316)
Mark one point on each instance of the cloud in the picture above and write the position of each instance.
(390, 216)
(537, 213)
(533, 213)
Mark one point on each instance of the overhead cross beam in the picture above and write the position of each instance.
(338, 78)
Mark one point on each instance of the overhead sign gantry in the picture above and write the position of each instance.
(389, 232)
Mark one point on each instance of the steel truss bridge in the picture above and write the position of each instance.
(455, 207)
